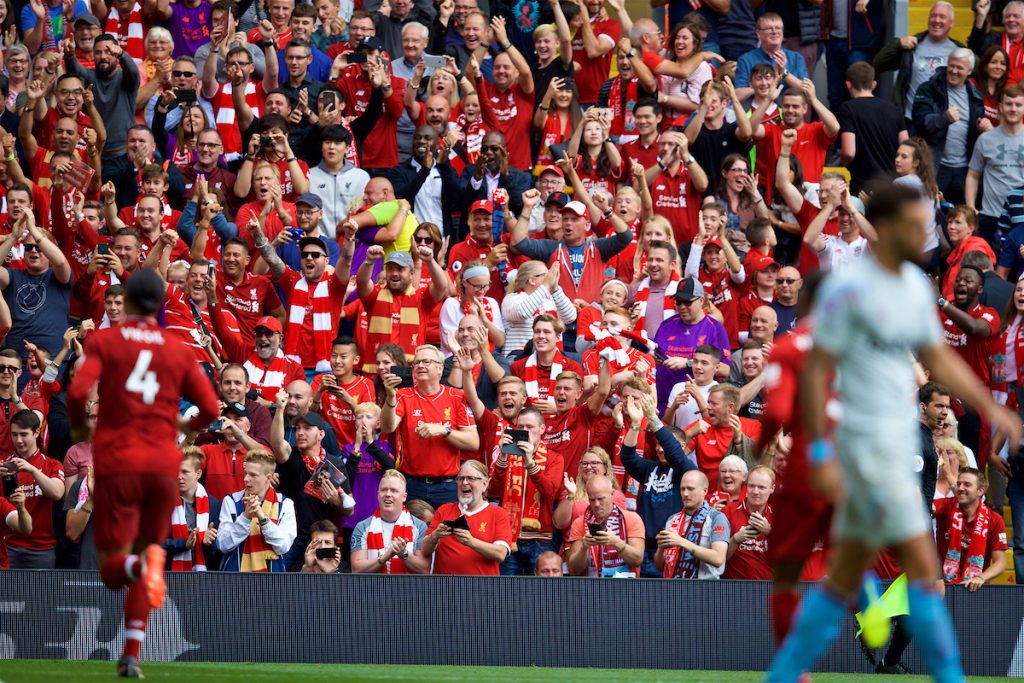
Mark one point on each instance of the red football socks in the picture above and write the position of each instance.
(784, 604)
(120, 570)
(136, 617)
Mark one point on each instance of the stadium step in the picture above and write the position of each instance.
(917, 16)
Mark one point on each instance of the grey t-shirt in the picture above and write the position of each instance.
(954, 154)
(839, 23)
(928, 56)
(1000, 160)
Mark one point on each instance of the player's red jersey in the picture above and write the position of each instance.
(142, 371)
(799, 511)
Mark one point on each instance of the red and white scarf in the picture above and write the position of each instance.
(643, 292)
(263, 376)
(533, 381)
(975, 564)
(375, 540)
(522, 499)
(191, 560)
(323, 325)
(605, 557)
(609, 347)
(129, 31)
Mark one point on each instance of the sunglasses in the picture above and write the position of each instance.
(9, 368)
(787, 281)
(183, 74)
(423, 240)
(32, 247)
(313, 254)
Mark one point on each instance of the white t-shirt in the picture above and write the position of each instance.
(873, 320)
(688, 413)
(837, 254)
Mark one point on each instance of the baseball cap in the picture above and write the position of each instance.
(315, 241)
(269, 323)
(313, 420)
(371, 43)
(236, 408)
(689, 289)
(551, 168)
(559, 199)
(762, 262)
(576, 207)
(145, 291)
(482, 205)
(713, 241)
(399, 258)
(88, 18)
(310, 199)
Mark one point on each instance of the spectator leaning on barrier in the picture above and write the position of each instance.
(695, 541)
(322, 555)
(971, 536)
(390, 541)
(607, 539)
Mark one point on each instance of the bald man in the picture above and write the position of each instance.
(764, 323)
(380, 208)
(787, 291)
(300, 398)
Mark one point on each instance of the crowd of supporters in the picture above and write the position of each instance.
(493, 288)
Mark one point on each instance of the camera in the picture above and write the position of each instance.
(266, 142)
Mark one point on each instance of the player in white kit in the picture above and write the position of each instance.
(869, 319)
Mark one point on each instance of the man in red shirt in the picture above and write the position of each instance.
(506, 105)
(395, 312)
(357, 81)
(471, 536)
(723, 434)
(41, 481)
(433, 426)
(540, 369)
(676, 183)
(142, 374)
(10, 400)
(338, 392)
(527, 486)
(812, 139)
(479, 246)
(315, 297)
(971, 536)
(751, 522)
(596, 35)
(249, 296)
(644, 150)
(969, 327)
(570, 428)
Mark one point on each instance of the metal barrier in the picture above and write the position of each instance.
(452, 620)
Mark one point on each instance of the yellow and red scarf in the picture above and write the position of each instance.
(521, 499)
(256, 552)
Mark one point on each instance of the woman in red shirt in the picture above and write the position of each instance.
(557, 115)
(990, 78)
(597, 159)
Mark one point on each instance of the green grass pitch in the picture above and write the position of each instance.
(32, 671)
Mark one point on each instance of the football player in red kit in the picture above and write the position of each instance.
(141, 372)
(804, 515)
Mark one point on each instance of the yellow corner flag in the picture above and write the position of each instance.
(875, 619)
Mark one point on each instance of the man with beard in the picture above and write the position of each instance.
(336, 180)
(968, 327)
(270, 371)
(115, 90)
(314, 296)
(658, 496)
(309, 211)
(723, 433)
(39, 295)
(315, 498)
(494, 169)
(428, 181)
(389, 541)
(299, 402)
(250, 297)
(149, 218)
(479, 546)
(396, 313)
(86, 29)
(234, 388)
(433, 426)
(654, 295)
(812, 139)
(184, 77)
(104, 271)
(491, 424)
(695, 540)
(971, 536)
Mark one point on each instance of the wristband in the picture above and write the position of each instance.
(820, 451)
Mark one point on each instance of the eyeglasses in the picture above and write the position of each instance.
(591, 465)
(208, 145)
(313, 254)
(65, 92)
(239, 63)
(423, 240)
(183, 74)
(462, 479)
(738, 170)
(770, 29)
(13, 369)
(653, 33)
(306, 212)
(787, 281)
(31, 247)
(425, 361)
(478, 288)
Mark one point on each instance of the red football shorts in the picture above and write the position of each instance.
(133, 507)
(800, 521)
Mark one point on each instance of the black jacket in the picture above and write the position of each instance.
(211, 555)
(929, 113)
(892, 57)
(515, 183)
(658, 498)
(407, 181)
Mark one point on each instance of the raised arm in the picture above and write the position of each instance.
(787, 190)
(518, 61)
(282, 449)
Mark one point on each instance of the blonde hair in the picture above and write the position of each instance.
(950, 444)
(393, 474)
(261, 457)
(525, 272)
(663, 223)
(367, 407)
(606, 460)
(544, 30)
(195, 455)
(453, 95)
(433, 349)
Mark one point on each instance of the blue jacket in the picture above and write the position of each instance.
(211, 555)
(929, 113)
(659, 496)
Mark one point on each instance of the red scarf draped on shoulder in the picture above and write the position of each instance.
(533, 380)
(403, 528)
(521, 499)
(954, 568)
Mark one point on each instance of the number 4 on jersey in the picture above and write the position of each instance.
(143, 380)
